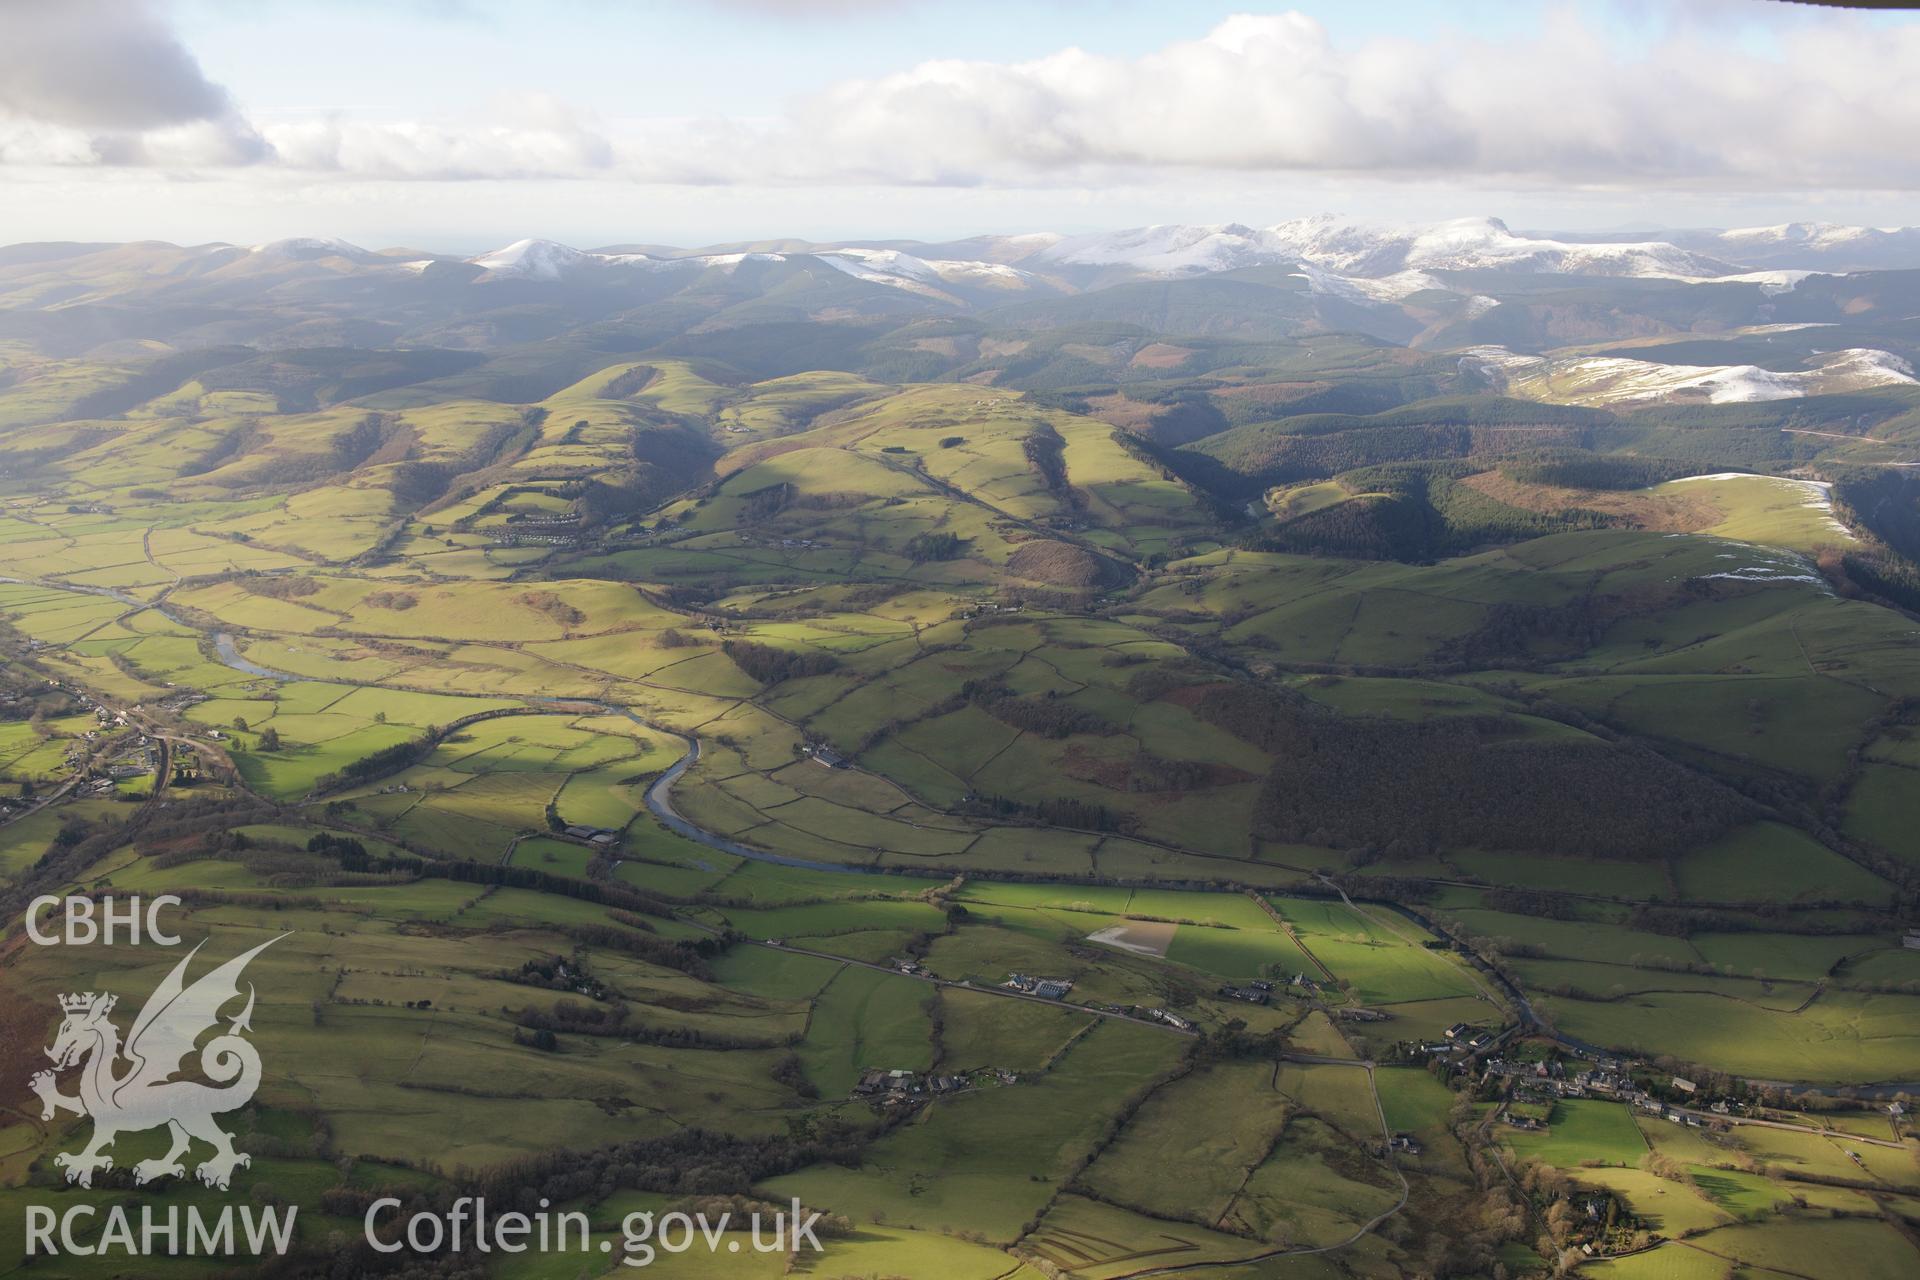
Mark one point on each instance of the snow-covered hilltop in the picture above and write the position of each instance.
(307, 248)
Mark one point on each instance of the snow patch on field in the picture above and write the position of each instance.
(1764, 573)
(1763, 563)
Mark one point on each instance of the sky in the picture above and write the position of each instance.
(460, 125)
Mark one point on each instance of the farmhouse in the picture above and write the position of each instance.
(892, 1086)
(827, 757)
(1045, 988)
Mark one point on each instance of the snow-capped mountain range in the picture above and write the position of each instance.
(1400, 275)
(1335, 248)
(547, 260)
(1360, 260)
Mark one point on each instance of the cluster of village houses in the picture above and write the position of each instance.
(537, 531)
(1604, 1078)
(136, 758)
(535, 540)
(801, 544)
(137, 761)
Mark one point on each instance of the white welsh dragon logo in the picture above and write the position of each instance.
(144, 1095)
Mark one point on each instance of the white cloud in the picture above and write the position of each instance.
(106, 82)
(1696, 108)
(528, 136)
(99, 64)
(1274, 93)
